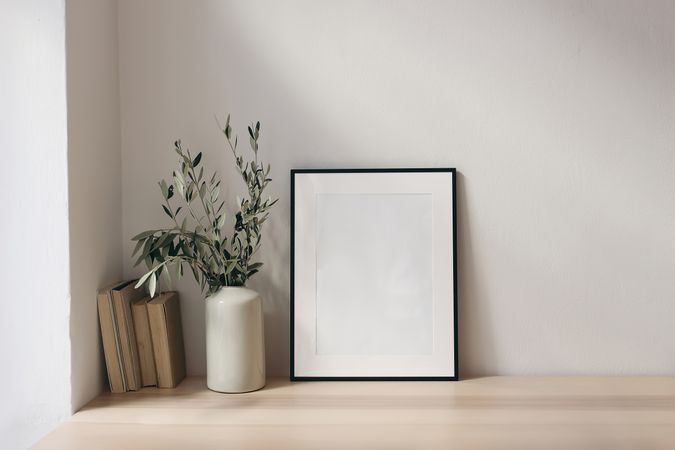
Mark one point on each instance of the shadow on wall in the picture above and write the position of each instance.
(472, 308)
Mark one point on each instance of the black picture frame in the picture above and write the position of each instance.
(293, 376)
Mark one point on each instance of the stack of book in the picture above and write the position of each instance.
(142, 338)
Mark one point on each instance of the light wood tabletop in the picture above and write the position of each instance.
(482, 413)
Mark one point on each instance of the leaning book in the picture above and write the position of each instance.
(167, 339)
(139, 312)
(122, 298)
(110, 336)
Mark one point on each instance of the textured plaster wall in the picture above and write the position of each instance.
(34, 272)
(558, 115)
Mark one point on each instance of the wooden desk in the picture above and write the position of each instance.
(484, 413)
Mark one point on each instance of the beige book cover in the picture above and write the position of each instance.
(122, 299)
(139, 312)
(110, 338)
(167, 339)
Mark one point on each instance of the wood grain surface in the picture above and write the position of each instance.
(482, 413)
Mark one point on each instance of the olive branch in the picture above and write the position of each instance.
(197, 239)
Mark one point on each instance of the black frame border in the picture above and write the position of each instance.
(293, 377)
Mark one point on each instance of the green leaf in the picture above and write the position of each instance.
(139, 244)
(152, 285)
(159, 243)
(166, 210)
(167, 275)
(147, 246)
(230, 267)
(172, 249)
(198, 158)
(140, 259)
(215, 193)
(228, 129)
(195, 273)
(143, 235)
(144, 278)
(180, 183)
(164, 188)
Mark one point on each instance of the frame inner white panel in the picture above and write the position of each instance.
(335, 194)
(373, 274)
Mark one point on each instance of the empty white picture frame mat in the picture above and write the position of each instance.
(321, 348)
(373, 274)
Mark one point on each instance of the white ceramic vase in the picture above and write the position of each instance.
(235, 344)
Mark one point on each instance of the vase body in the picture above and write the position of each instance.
(235, 344)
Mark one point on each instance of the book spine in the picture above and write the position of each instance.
(127, 340)
(118, 342)
(111, 345)
(139, 313)
(167, 339)
(175, 338)
(160, 344)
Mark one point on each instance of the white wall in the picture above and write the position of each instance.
(558, 115)
(95, 187)
(35, 349)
